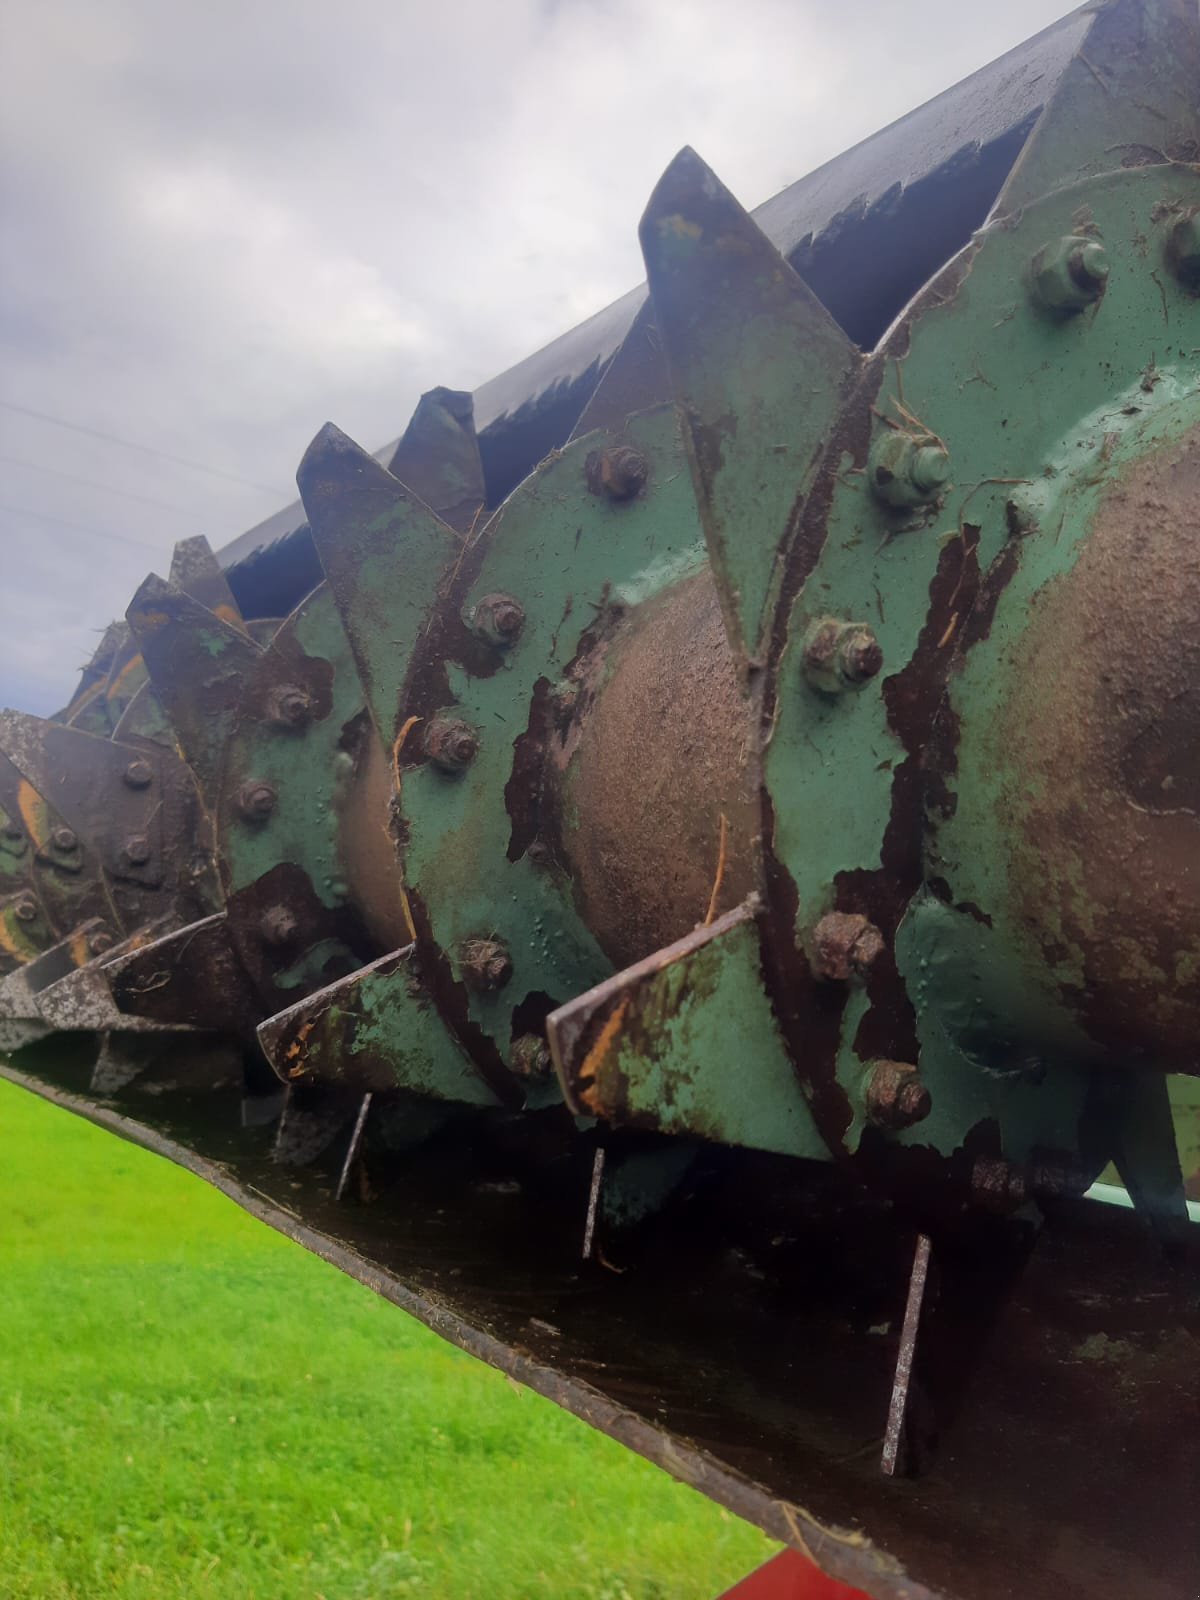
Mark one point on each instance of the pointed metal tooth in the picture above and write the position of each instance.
(190, 977)
(19, 991)
(758, 368)
(438, 457)
(383, 552)
(82, 999)
(198, 664)
(1129, 88)
(196, 570)
(94, 675)
(635, 379)
(373, 1030)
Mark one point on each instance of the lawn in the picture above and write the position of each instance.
(191, 1405)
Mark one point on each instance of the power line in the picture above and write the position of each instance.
(145, 449)
(86, 483)
(79, 527)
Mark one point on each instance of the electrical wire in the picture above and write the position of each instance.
(80, 527)
(144, 449)
(87, 483)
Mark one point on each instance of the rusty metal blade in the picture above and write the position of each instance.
(1128, 97)
(384, 553)
(189, 977)
(437, 458)
(374, 1030)
(757, 368)
(196, 662)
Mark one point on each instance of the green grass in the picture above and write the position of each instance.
(191, 1405)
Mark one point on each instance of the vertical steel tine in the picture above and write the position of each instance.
(353, 1148)
(383, 552)
(197, 663)
(438, 457)
(891, 1460)
(757, 367)
(593, 1206)
(1128, 91)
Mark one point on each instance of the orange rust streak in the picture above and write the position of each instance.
(133, 665)
(409, 725)
(722, 856)
(586, 1076)
(33, 814)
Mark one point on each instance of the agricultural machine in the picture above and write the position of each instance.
(683, 871)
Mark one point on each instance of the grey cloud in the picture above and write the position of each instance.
(225, 223)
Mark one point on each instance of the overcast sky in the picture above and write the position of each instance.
(224, 223)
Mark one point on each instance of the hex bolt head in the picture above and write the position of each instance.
(65, 840)
(1069, 274)
(136, 851)
(138, 774)
(256, 801)
(26, 910)
(844, 945)
(840, 655)
(930, 468)
(618, 473)
(291, 708)
(906, 470)
(278, 926)
(485, 965)
(498, 618)
(1183, 250)
(531, 1057)
(450, 743)
(895, 1096)
(100, 942)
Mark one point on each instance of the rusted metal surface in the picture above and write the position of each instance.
(643, 853)
(1104, 723)
(805, 767)
(438, 458)
(893, 1438)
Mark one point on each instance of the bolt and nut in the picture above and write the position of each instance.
(26, 909)
(64, 839)
(531, 1057)
(618, 473)
(485, 965)
(1069, 274)
(100, 942)
(844, 945)
(138, 774)
(907, 470)
(450, 743)
(278, 926)
(1183, 250)
(136, 851)
(291, 708)
(840, 655)
(895, 1096)
(256, 801)
(498, 618)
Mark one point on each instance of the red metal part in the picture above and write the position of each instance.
(788, 1576)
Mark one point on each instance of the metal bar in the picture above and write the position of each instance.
(904, 1360)
(589, 1230)
(360, 1123)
